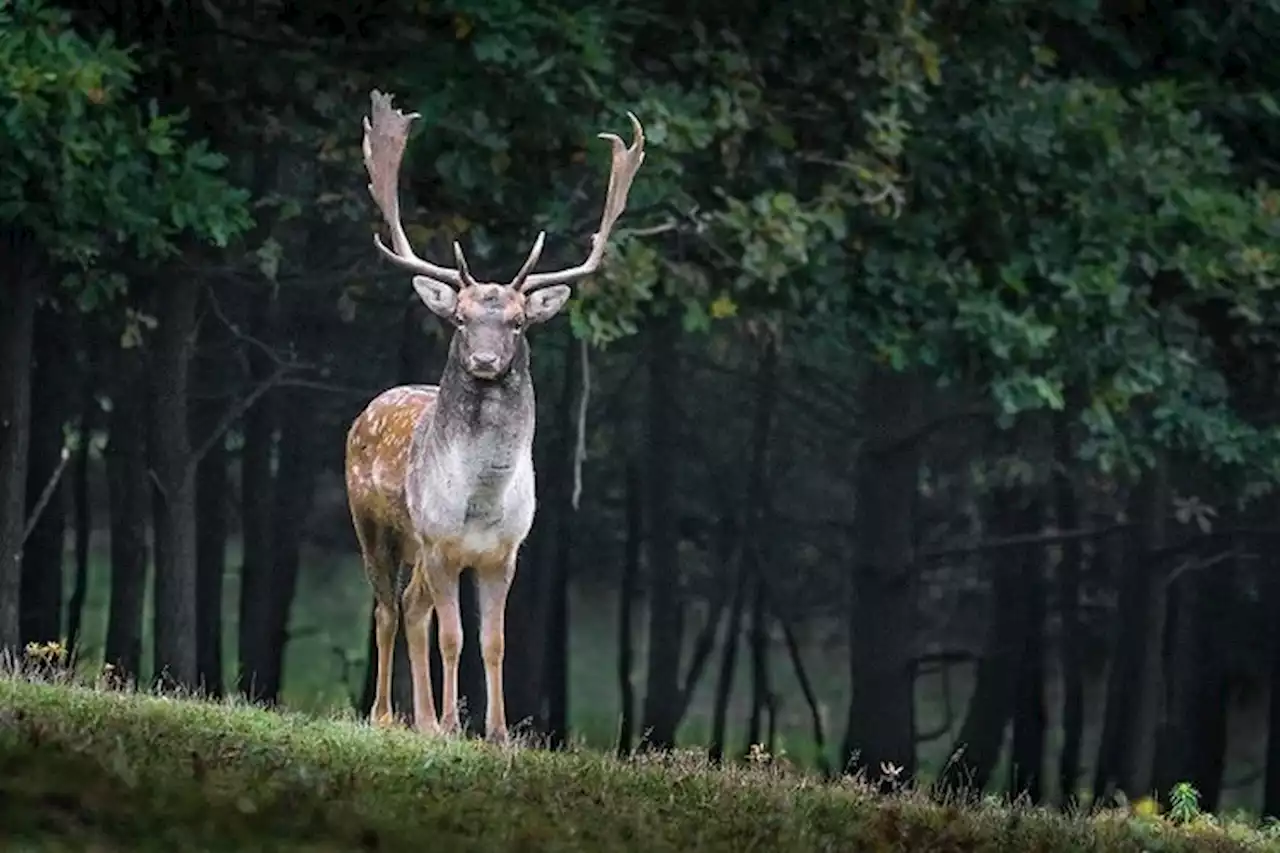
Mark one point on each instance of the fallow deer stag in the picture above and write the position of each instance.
(440, 478)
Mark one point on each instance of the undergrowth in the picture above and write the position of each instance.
(85, 767)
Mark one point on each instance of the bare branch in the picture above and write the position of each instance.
(47, 494)
(1199, 565)
(239, 334)
(580, 449)
(234, 412)
(806, 685)
(703, 645)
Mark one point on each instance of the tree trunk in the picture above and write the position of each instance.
(18, 296)
(471, 693)
(1147, 709)
(1271, 780)
(212, 485)
(762, 698)
(129, 489)
(295, 487)
(1071, 637)
(212, 508)
(1192, 737)
(41, 608)
(526, 620)
(174, 476)
(556, 668)
(526, 634)
(977, 748)
(257, 503)
(1030, 717)
(369, 685)
(1210, 748)
(401, 680)
(1134, 685)
(212, 488)
(81, 502)
(661, 710)
(806, 690)
(755, 560)
(883, 612)
(627, 594)
(728, 666)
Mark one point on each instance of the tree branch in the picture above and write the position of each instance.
(235, 412)
(47, 494)
(702, 648)
(580, 449)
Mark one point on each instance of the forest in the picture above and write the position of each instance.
(920, 419)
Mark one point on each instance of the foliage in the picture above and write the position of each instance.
(90, 164)
(1065, 239)
(146, 771)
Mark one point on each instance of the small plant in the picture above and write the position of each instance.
(1184, 803)
(47, 660)
(758, 753)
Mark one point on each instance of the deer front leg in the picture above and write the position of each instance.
(418, 605)
(443, 582)
(493, 587)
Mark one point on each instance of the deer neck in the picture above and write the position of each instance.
(490, 422)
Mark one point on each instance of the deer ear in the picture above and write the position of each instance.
(438, 296)
(542, 305)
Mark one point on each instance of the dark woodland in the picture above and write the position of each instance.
(919, 420)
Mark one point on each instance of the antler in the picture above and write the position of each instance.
(626, 162)
(386, 130)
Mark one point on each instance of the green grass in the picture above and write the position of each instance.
(82, 768)
(325, 657)
(325, 662)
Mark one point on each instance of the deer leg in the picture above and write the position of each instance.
(418, 605)
(378, 568)
(493, 587)
(384, 617)
(442, 580)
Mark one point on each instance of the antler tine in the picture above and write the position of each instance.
(530, 262)
(464, 269)
(626, 162)
(386, 130)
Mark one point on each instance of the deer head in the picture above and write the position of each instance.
(490, 318)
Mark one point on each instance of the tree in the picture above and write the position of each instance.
(91, 173)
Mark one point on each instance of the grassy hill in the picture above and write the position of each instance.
(83, 768)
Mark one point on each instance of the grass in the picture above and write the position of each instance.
(325, 660)
(84, 768)
(325, 657)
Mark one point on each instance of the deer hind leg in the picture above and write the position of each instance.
(380, 567)
(418, 607)
(492, 588)
(385, 619)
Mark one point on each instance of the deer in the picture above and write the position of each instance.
(440, 478)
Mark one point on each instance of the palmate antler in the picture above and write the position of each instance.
(626, 162)
(386, 130)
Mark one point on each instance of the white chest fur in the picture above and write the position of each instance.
(475, 496)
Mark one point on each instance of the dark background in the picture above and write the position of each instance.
(923, 413)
